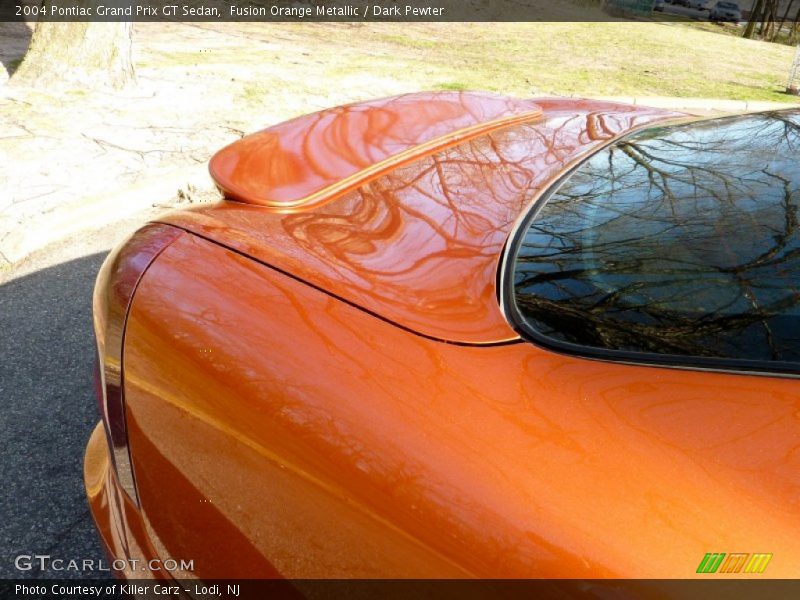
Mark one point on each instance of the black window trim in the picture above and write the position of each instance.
(648, 359)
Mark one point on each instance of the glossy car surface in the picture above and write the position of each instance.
(319, 372)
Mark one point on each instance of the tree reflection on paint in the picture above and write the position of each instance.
(677, 240)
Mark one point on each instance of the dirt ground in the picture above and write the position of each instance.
(58, 149)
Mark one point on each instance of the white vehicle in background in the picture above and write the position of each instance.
(725, 10)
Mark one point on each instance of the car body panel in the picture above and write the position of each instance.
(116, 517)
(320, 441)
(420, 245)
(326, 387)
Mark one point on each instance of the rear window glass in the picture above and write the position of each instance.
(678, 241)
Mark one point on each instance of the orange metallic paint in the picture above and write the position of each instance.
(116, 283)
(419, 245)
(319, 441)
(115, 515)
(276, 430)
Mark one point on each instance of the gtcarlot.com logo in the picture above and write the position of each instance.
(46, 562)
(739, 562)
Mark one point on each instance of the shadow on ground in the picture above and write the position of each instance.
(47, 411)
(16, 37)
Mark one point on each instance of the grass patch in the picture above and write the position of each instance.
(253, 93)
(593, 59)
(411, 42)
(454, 86)
(321, 64)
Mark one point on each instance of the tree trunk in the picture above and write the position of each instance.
(772, 30)
(785, 15)
(754, 16)
(78, 54)
(767, 23)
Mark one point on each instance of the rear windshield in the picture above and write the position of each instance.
(680, 243)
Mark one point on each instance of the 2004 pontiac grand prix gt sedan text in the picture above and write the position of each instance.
(462, 335)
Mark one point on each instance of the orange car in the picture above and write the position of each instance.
(456, 335)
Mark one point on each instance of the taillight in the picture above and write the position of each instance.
(113, 292)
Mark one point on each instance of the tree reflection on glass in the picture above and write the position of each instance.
(678, 240)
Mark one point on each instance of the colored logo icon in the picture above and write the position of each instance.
(719, 562)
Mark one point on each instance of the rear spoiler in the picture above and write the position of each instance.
(306, 161)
